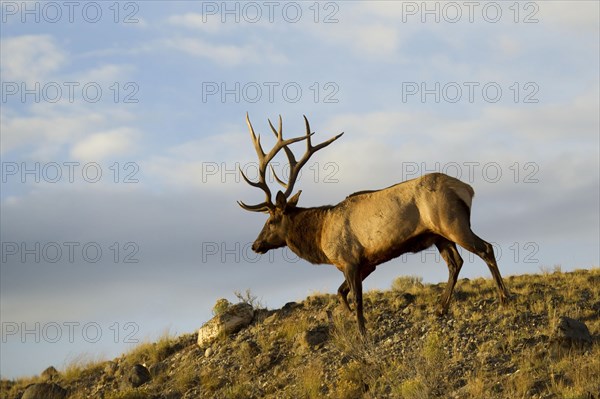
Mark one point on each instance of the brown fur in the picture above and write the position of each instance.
(375, 226)
(368, 227)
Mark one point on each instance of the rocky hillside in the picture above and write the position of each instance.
(545, 344)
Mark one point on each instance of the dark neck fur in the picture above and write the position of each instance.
(304, 236)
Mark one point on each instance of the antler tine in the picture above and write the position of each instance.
(267, 204)
(310, 150)
(288, 152)
(279, 132)
(263, 161)
(262, 207)
(255, 139)
(279, 145)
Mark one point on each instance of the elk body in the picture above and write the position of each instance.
(369, 227)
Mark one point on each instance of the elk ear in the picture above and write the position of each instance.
(280, 201)
(294, 200)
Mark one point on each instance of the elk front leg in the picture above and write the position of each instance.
(344, 289)
(454, 261)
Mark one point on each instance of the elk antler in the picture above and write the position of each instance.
(295, 166)
(264, 159)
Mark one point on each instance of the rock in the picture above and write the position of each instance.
(44, 391)
(208, 352)
(316, 336)
(290, 306)
(230, 321)
(158, 368)
(139, 375)
(408, 298)
(50, 374)
(571, 332)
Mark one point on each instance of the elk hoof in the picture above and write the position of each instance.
(441, 310)
(506, 299)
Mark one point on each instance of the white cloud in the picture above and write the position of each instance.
(363, 37)
(572, 121)
(228, 54)
(30, 58)
(43, 130)
(197, 21)
(206, 162)
(376, 39)
(46, 128)
(575, 16)
(508, 46)
(49, 129)
(104, 145)
(106, 74)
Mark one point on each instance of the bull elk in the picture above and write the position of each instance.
(368, 227)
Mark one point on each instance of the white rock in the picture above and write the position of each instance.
(230, 321)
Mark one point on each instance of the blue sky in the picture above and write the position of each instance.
(122, 127)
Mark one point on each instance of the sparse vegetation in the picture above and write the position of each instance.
(249, 298)
(151, 352)
(407, 283)
(221, 306)
(479, 350)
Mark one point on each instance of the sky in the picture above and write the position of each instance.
(123, 132)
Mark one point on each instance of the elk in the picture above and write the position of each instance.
(368, 227)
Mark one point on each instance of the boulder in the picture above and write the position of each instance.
(232, 320)
(44, 391)
(569, 332)
(315, 337)
(139, 375)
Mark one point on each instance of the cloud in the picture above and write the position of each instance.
(376, 36)
(112, 143)
(44, 131)
(227, 54)
(197, 21)
(208, 163)
(52, 128)
(30, 58)
(106, 74)
(579, 17)
(508, 46)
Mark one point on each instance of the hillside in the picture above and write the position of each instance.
(311, 349)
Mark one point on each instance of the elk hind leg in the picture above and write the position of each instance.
(454, 261)
(354, 281)
(343, 295)
(471, 242)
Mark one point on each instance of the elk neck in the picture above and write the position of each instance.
(304, 233)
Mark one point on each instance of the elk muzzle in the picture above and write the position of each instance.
(259, 247)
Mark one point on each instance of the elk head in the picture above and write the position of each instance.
(273, 234)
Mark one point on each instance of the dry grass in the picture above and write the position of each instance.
(151, 352)
(479, 350)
